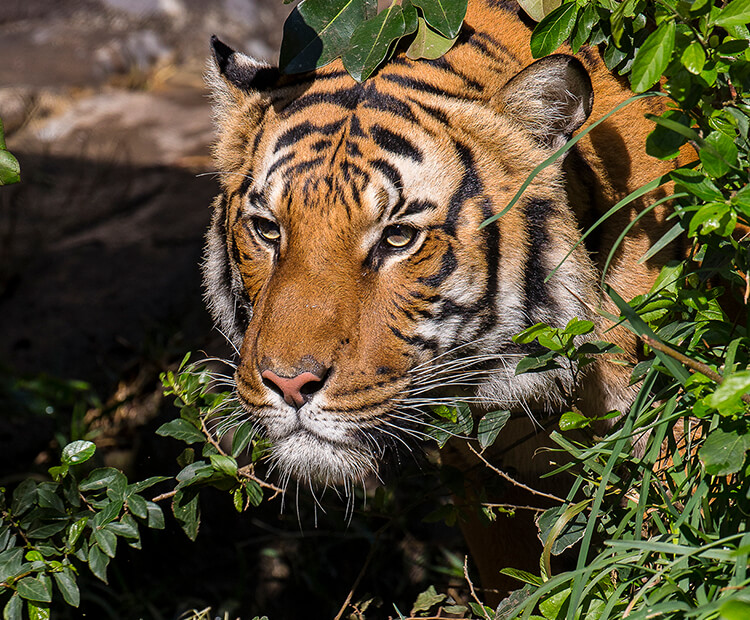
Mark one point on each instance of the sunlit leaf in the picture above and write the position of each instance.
(653, 57)
(371, 41)
(318, 31)
(539, 9)
(445, 16)
(428, 43)
(553, 30)
(724, 453)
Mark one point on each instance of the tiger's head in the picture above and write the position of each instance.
(347, 261)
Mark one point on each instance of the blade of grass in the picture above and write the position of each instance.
(560, 152)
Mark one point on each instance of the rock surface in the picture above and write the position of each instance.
(105, 107)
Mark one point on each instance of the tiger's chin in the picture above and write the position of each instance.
(313, 460)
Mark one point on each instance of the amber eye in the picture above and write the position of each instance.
(267, 230)
(399, 236)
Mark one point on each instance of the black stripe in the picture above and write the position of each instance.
(348, 98)
(447, 266)
(436, 113)
(470, 187)
(388, 171)
(387, 103)
(278, 163)
(417, 206)
(392, 142)
(415, 340)
(536, 292)
(296, 133)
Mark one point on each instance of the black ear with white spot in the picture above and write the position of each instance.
(240, 71)
(551, 98)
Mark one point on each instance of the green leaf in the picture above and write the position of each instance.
(565, 525)
(24, 497)
(38, 611)
(187, 512)
(182, 430)
(735, 610)
(445, 16)
(108, 513)
(155, 516)
(522, 576)
(653, 57)
(724, 453)
(254, 492)
(194, 473)
(137, 505)
(552, 605)
(490, 426)
(537, 362)
(224, 464)
(137, 487)
(371, 41)
(101, 478)
(427, 600)
(46, 530)
(736, 13)
(34, 589)
(75, 530)
(243, 434)
(696, 183)
(68, 587)
(664, 142)
(573, 419)
(577, 327)
(694, 58)
(10, 170)
(539, 9)
(237, 499)
(107, 541)
(553, 30)
(715, 217)
(428, 43)
(78, 452)
(584, 25)
(318, 31)
(98, 562)
(719, 156)
(731, 390)
(14, 609)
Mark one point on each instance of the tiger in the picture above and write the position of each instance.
(348, 264)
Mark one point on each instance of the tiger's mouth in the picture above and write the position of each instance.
(310, 458)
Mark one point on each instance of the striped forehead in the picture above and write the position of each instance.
(366, 155)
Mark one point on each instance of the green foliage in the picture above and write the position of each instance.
(319, 31)
(54, 529)
(10, 171)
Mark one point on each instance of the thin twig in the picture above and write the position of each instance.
(349, 596)
(514, 507)
(690, 363)
(505, 476)
(167, 495)
(471, 588)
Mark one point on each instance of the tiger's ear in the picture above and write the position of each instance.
(233, 77)
(551, 98)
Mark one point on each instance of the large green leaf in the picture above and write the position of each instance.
(736, 13)
(539, 9)
(78, 452)
(724, 453)
(653, 57)
(445, 16)
(490, 426)
(68, 587)
(718, 154)
(371, 41)
(318, 31)
(428, 43)
(552, 31)
(34, 589)
(182, 430)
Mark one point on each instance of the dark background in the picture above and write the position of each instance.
(104, 106)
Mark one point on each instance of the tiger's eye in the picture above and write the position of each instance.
(267, 230)
(398, 235)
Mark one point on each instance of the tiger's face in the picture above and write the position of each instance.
(347, 259)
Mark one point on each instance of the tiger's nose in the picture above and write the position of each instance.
(295, 390)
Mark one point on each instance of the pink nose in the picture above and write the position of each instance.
(296, 390)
